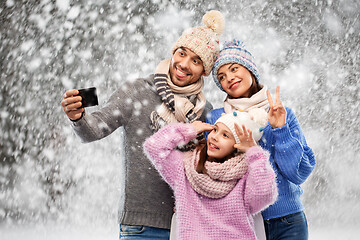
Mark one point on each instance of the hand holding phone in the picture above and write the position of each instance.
(89, 97)
(74, 101)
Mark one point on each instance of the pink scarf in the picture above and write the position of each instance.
(220, 178)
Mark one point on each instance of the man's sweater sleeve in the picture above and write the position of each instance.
(161, 150)
(293, 157)
(260, 186)
(99, 124)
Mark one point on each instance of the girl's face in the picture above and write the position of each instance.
(235, 79)
(220, 142)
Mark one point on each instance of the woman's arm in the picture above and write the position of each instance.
(292, 156)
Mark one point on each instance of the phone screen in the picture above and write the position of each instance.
(89, 97)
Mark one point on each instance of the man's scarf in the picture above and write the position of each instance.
(179, 104)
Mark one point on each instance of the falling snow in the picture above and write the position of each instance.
(52, 186)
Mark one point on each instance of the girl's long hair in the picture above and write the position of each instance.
(200, 168)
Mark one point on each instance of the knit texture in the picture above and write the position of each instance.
(235, 52)
(254, 120)
(204, 218)
(290, 156)
(204, 40)
(220, 178)
(258, 100)
(146, 199)
(179, 104)
(176, 106)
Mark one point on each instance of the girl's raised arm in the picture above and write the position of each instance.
(161, 149)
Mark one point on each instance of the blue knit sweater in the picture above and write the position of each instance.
(291, 158)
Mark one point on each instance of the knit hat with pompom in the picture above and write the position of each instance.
(204, 40)
(254, 120)
(234, 52)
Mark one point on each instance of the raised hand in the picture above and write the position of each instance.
(72, 104)
(277, 112)
(245, 137)
(202, 127)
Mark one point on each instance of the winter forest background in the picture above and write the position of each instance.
(54, 187)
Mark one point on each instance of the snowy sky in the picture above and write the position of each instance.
(310, 49)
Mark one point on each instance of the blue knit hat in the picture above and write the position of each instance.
(234, 52)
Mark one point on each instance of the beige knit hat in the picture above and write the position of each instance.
(204, 40)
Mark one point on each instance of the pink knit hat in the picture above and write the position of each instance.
(204, 40)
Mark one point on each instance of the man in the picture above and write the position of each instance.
(172, 94)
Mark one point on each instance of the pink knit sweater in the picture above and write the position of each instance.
(199, 217)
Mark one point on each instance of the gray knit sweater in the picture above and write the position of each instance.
(148, 199)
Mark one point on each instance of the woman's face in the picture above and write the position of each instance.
(220, 142)
(235, 79)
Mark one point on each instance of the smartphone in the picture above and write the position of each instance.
(89, 97)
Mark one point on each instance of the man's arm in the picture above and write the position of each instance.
(72, 104)
(99, 124)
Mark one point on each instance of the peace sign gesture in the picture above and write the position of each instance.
(277, 112)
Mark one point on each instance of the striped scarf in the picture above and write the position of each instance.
(179, 104)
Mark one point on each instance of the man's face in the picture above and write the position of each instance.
(186, 67)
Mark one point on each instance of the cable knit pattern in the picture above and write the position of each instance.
(291, 158)
(200, 217)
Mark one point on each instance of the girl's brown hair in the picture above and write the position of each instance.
(200, 168)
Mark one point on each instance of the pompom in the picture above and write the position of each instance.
(234, 43)
(215, 21)
(259, 116)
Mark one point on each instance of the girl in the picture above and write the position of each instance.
(236, 73)
(219, 185)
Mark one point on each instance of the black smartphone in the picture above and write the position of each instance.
(89, 97)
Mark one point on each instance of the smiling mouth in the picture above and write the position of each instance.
(181, 74)
(212, 146)
(234, 84)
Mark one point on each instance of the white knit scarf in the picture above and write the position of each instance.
(219, 179)
(258, 100)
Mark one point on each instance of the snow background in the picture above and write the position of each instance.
(54, 187)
